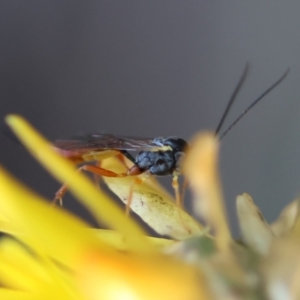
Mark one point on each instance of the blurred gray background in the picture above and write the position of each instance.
(158, 68)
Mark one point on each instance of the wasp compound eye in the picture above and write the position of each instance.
(177, 144)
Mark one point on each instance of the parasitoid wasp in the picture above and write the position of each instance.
(155, 156)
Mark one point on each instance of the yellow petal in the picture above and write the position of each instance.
(200, 167)
(99, 204)
(21, 269)
(116, 240)
(8, 227)
(127, 277)
(63, 235)
(8, 294)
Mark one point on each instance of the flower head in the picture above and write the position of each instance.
(48, 253)
(55, 255)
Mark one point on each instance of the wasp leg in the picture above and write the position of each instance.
(96, 170)
(184, 187)
(179, 196)
(96, 177)
(100, 171)
(179, 199)
(136, 181)
(59, 195)
(175, 186)
(134, 170)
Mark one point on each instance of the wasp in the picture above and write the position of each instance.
(154, 156)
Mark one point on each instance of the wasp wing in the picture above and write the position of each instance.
(102, 142)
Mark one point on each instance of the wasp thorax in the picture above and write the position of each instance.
(177, 144)
(158, 162)
(162, 162)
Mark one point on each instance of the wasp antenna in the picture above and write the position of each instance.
(233, 97)
(255, 102)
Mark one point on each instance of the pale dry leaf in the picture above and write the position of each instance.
(152, 203)
(287, 219)
(255, 231)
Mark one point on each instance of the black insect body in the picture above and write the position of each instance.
(159, 156)
(162, 162)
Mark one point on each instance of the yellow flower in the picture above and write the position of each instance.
(48, 253)
(55, 255)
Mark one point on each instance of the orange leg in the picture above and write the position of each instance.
(97, 178)
(96, 170)
(137, 181)
(179, 199)
(175, 186)
(184, 187)
(179, 196)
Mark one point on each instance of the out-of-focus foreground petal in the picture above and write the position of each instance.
(116, 240)
(99, 204)
(64, 258)
(201, 169)
(33, 220)
(138, 277)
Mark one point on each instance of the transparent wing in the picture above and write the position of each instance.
(102, 142)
